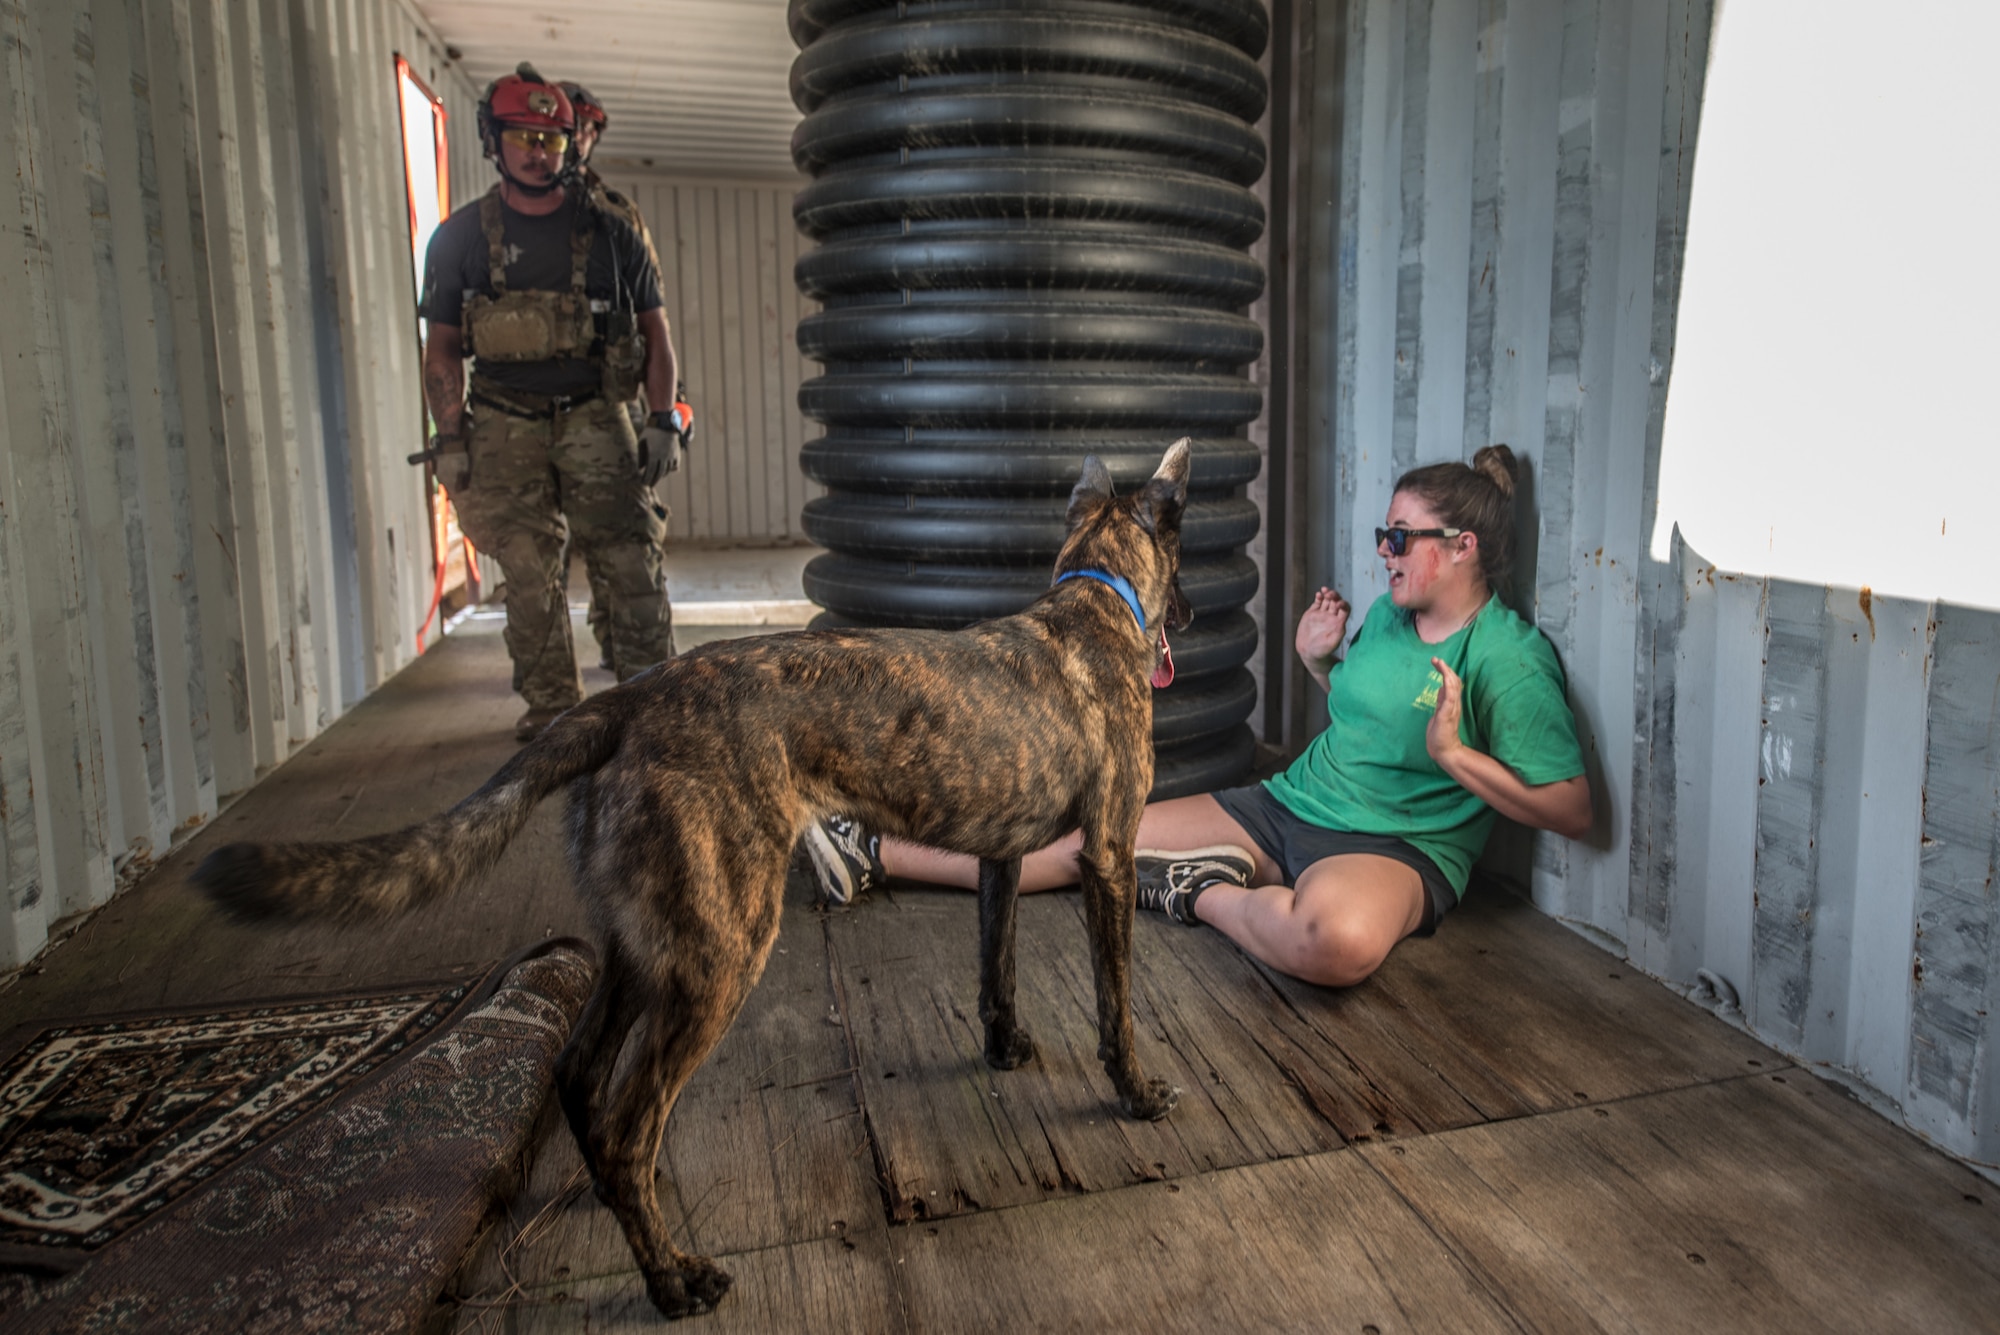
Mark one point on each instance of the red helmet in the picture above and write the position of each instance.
(525, 99)
(587, 107)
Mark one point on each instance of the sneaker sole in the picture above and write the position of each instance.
(1216, 851)
(832, 872)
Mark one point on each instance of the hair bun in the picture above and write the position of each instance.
(1496, 464)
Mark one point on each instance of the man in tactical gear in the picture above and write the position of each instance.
(558, 304)
(591, 120)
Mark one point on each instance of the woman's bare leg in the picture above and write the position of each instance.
(1179, 824)
(1044, 869)
(1334, 928)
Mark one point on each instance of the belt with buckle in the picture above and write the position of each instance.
(533, 406)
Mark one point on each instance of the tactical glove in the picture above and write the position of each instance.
(660, 445)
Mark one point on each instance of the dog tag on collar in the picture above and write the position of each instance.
(1163, 671)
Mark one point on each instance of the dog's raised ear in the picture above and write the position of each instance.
(1093, 486)
(1164, 496)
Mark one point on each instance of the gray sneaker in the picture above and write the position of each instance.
(846, 859)
(1169, 881)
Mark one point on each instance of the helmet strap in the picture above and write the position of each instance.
(556, 183)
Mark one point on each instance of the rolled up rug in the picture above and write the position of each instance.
(316, 1164)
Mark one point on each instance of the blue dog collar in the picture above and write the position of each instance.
(1119, 584)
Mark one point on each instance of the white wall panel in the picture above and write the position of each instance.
(726, 256)
(209, 542)
(695, 88)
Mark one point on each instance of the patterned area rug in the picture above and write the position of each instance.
(330, 1177)
(103, 1123)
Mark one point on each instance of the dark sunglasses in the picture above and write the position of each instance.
(1399, 538)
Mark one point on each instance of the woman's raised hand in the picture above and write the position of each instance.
(1322, 627)
(1441, 735)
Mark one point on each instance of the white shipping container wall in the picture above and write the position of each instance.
(1797, 784)
(726, 254)
(210, 544)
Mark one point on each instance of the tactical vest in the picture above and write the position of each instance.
(540, 326)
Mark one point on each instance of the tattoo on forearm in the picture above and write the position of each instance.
(444, 390)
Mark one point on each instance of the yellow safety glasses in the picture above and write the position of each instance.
(549, 141)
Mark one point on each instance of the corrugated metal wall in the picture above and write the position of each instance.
(209, 542)
(1824, 768)
(1513, 181)
(1798, 786)
(695, 88)
(726, 251)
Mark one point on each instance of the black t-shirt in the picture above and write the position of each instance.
(538, 260)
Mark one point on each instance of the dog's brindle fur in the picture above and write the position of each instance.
(692, 783)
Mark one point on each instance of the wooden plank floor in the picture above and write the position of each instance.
(1506, 1129)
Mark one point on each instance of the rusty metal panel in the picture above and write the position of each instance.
(1789, 874)
(1664, 593)
(1883, 789)
(1954, 1092)
(1791, 779)
(1878, 652)
(1707, 913)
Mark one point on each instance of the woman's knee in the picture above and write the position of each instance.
(1335, 949)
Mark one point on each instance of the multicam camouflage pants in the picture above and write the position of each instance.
(537, 484)
(599, 619)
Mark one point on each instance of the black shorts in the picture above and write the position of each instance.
(1296, 844)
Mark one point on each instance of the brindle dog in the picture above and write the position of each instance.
(691, 784)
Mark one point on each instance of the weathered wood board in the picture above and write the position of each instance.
(955, 1135)
(1519, 1015)
(1455, 1030)
(1768, 1202)
(834, 1284)
(1320, 1243)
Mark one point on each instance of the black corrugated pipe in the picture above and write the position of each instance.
(1031, 217)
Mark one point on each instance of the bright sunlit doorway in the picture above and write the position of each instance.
(427, 182)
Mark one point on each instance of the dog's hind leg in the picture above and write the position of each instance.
(1110, 896)
(699, 982)
(583, 1071)
(1007, 1043)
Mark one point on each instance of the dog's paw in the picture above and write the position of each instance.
(1151, 1101)
(694, 1288)
(707, 1282)
(1005, 1051)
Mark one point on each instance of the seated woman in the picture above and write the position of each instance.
(1446, 708)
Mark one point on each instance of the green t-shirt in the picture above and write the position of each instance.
(1369, 772)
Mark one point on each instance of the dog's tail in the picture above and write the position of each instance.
(391, 873)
